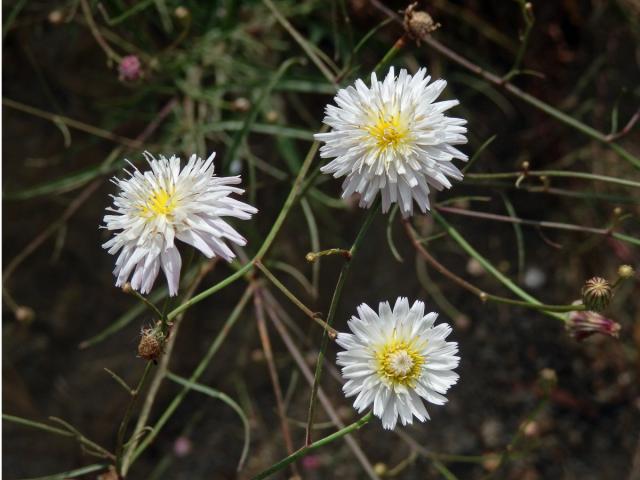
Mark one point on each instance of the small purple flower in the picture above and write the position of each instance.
(182, 447)
(130, 68)
(584, 323)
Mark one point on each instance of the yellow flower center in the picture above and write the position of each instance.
(161, 202)
(399, 362)
(388, 131)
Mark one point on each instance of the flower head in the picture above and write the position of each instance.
(583, 323)
(396, 358)
(393, 138)
(597, 294)
(166, 202)
(130, 68)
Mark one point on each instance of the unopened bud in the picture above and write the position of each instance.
(130, 68)
(55, 17)
(151, 343)
(311, 257)
(582, 324)
(380, 468)
(272, 116)
(182, 13)
(418, 24)
(596, 294)
(241, 104)
(491, 461)
(547, 379)
(25, 314)
(626, 271)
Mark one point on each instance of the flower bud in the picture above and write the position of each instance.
(547, 380)
(241, 104)
(182, 13)
(130, 68)
(596, 294)
(626, 271)
(25, 315)
(55, 17)
(582, 324)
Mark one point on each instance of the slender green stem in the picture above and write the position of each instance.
(148, 303)
(488, 266)
(539, 223)
(313, 315)
(481, 294)
(555, 173)
(332, 313)
(98, 132)
(297, 184)
(391, 54)
(127, 415)
(210, 291)
(527, 15)
(542, 306)
(96, 449)
(38, 425)
(314, 446)
(303, 42)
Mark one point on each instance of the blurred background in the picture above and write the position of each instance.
(87, 84)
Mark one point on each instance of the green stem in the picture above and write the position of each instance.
(148, 303)
(391, 54)
(481, 294)
(314, 446)
(332, 313)
(488, 266)
(210, 291)
(127, 416)
(313, 315)
(554, 173)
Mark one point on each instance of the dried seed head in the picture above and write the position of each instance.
(583, 324)
(418, 24)
(626, 271)
(151, 343)
(596, 294)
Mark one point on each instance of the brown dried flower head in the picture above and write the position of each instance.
(418, 24)
(151, 343)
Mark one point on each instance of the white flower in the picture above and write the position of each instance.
(154, 208)
(393, 138)
(394, 359)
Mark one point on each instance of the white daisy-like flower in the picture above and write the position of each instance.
(393, 138)
(396, 358)
(166, 203)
